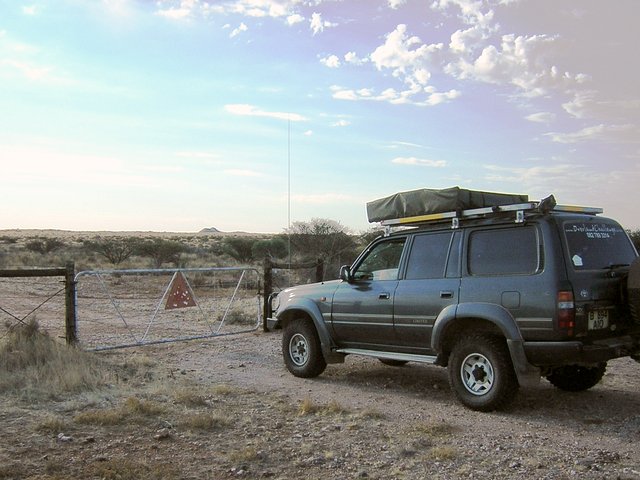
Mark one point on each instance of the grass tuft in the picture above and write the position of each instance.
(36, 367)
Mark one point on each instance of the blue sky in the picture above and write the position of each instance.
(175, 115)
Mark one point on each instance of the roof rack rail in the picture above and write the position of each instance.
(519, 209)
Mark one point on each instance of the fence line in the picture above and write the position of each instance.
(68, 272)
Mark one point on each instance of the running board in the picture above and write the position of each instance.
(404, 357)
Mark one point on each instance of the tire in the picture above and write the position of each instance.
(481, 373)
(301, 349)
(393, 363)
(575, 378)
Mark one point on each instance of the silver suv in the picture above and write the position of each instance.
(499, 295)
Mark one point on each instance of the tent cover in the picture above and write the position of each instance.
(427, 201)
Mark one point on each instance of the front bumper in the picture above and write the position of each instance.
(273, 324)
(576, 352)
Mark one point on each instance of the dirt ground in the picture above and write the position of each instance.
(227, 408)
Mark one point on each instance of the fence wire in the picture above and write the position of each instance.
(122, 308)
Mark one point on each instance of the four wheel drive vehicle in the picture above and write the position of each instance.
(500, 294)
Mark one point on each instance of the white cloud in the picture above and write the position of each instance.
(30, 9)
(295, 18)
(396, 3)
(601, 132)
(341, 123)
(426, 97)
(541, 117)
(237, 31)
(352, 57)
(419, 162)
(332, 61)
(252, 111)
(317, 25)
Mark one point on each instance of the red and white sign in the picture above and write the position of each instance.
(180, 294)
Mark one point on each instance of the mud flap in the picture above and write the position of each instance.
(528, 375)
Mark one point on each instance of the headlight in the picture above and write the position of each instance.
(275, 302)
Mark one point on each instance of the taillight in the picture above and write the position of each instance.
(566, 310)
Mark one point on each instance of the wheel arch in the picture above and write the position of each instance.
(308, 310)
(487, 318)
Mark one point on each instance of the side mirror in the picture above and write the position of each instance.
(345, 273)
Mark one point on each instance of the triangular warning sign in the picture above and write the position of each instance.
(180, 294)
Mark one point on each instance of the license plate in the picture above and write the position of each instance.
(598, 319)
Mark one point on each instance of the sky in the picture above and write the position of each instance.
(248, 115)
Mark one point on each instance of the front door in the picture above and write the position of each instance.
(362, 312)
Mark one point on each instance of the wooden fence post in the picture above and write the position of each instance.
(71, 328)
(268, 290)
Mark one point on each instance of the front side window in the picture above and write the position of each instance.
(382, 262)
(597, 245)
(509, 251)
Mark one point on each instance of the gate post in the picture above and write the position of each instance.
(319, 270)
(70, 304)
(268, 290)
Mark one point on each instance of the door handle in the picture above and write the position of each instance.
(384, 296)
(446, 294)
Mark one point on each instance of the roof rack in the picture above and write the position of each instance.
(519, 209)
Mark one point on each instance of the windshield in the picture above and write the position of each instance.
(598, 244)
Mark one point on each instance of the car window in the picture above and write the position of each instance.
(428, 256)
(382, 261)
(504, 251)
(597, 245)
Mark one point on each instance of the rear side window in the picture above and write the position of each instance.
(428, 256)
(597, 245)
(512, 251)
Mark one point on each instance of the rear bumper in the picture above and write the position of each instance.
(576, 352)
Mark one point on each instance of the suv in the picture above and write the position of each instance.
(500, 296)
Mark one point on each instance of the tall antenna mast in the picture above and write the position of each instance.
(289, 192)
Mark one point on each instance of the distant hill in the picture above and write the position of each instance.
(209, 230)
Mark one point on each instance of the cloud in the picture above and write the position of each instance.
(237, 31)
(426, 97)
(419, 162)
(541, 117)
(30, 9)
(341, 123)
(394, 4)
(332, 61)
(295, 18)
(601, 132)
(252, 111)
(317, 25)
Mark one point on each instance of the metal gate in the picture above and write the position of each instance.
(125, 308)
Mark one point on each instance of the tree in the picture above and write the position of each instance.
(44, 246)
(324, 239)
(115, 250)
(239, 248)
(161, 251)
(273, 248)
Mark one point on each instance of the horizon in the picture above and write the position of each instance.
(124, 115)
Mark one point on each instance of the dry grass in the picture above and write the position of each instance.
(205, 422)
(35, 367)
(308, 407)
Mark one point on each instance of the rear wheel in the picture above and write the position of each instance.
(576, 378)
(481, 373)
(301, 349)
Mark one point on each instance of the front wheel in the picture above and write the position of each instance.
(575, 378)
(481, 373)
(301, 349)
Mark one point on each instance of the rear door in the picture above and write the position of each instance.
(599, 253)
(429, 283)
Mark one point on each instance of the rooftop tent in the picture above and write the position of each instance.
(426, 201)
